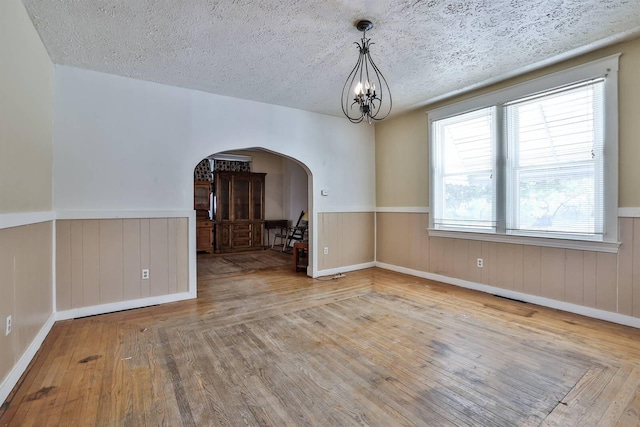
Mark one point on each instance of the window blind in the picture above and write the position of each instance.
(465, 156)
(554, 172)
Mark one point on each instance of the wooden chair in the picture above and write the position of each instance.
(288, 236)
(280, 237)
(298, 233)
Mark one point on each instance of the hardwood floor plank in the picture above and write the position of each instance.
(176, 381)
(623, 400)
(264, 346)
(584, 405)
(631, 415)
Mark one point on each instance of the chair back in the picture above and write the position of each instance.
(298, 232)
(299, 218)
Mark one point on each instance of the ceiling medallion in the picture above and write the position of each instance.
(371, 96)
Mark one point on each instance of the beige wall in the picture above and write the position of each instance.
(26, 105)
(101, 261)
(600, 280)
(25, 288)
(402, 168)
(349, 237)
(402, 150)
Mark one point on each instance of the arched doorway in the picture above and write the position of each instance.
(288, 189)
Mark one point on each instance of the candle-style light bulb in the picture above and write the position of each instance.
(359, 88)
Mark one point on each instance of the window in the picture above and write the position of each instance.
(465, 190)
(535, 160)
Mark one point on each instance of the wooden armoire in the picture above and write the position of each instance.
(204, 225)
(239, 211)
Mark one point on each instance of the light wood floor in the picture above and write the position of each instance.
(375, 348)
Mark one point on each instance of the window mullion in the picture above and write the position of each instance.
(499, 173)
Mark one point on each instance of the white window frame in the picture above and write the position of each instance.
(605, 67)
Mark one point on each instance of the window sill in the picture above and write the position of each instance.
(581, 245)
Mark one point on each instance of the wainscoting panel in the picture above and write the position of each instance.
(589, 283)
(552, 272)
(636, 267)
(531, 270)
(629, 267)
(75, 251)
(91, 262)
(111, 284)
(25, 289)
(405, 239)
(158, 258)
(605, 281)
(100, 261)
(386, 233)
(132, 258)
(349, 237)
(574, 276)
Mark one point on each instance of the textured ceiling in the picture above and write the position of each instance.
(298, 53)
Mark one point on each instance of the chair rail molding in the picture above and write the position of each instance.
(632, 212)
(403, 209)
(17, 219)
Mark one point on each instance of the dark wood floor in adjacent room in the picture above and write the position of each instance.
(264, 346)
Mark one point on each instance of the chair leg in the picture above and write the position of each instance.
(280, 237)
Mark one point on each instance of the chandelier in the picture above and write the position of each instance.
(365, 95)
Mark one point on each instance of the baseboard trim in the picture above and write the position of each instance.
(123, 305)
(345, 269)
(18, 219)
(595, 313)
(23, 363)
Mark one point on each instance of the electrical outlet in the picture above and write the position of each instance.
(480, 263)
(145, 274)
(326, 250)
(8, 328)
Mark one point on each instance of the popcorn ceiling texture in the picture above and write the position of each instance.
(298, 53)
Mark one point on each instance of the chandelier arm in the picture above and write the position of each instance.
(354, 77)
(347, 86)
(362, 59)
(356, 119)
(382, 80)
